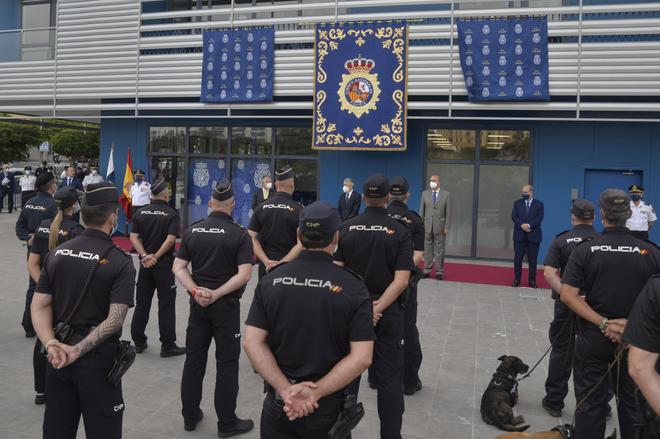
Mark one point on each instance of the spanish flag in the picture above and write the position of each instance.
(125, 198)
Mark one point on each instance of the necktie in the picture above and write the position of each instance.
(347, 197)
(69, 182)
(527, 203)
(435, 197)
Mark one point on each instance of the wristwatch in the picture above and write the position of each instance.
(603, 325)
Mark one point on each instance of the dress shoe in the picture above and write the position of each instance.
(172, 351)
(426, 275)
(438, 277)
(532, 284)
(30, 334)
(554, 412)
(412, 390)
(139, 348)
(192, 425)
(40, 399)
(240, 426)
(516, 283)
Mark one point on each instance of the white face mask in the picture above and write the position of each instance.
(94, 172)
(346, 189)
(269, 186)
(28, 173)
(76, 208)
(433, 185)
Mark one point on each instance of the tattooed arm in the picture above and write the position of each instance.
(109, 326)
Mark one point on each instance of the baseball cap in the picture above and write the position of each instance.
(66, 196)
(614, 201)
(583, 209)
(44, 178)
(319, 217)
(376, 186)
(399, 186)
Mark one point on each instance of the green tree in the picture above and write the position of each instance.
(16, 140)
(78, 145)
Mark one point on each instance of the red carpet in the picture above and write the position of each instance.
(454, 271)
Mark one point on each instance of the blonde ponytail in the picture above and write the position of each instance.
(55, 230)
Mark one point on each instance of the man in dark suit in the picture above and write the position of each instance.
(71, 179)
(527, 216)
(265, 193)
(349, 201)
(7, 188)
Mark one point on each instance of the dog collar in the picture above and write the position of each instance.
(566, 431)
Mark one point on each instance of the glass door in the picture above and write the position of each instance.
(174, 170)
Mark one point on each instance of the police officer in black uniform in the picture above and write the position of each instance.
(611, 269)
(309, 333)
(561, 331)
(642, 334)
(412, 350)
(379, 248)
(40, 207)
(155, 228)
(87, 285)
(274, 222)
(220, 253)
(50, 234)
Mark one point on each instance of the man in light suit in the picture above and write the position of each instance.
(527, 216)
(435, 209)
(349, 201)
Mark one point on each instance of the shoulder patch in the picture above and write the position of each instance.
(354, 273)
(561, 233)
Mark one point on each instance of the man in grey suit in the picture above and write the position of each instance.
(435, 209)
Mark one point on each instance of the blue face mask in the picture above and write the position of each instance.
(525, 197)
(138, 180)
(635, 197)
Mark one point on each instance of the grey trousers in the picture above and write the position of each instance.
(434, 249)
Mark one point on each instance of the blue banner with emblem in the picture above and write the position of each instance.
(505, 59)
(238, 65)
(360, 92)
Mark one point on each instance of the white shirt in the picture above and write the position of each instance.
(140, 194)
(27, 182)
(641, 216)
(92, 179)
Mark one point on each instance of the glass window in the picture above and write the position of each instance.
(203, 175)
(306, 179)
(174, 170)
(294, 141)
(505, 145)
(36, 15)
(167, 139)
(499, 187)
(252, 140)
(208, 140)
(458, 179)
(246, 175)
(444, 144)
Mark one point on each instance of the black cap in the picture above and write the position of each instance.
(635, 188)
(159, 186)
(284, 173)
(222, 191)
(66, 196)
(138, 172)
(43, 179)
(376, 186)
(320, 217)
(614, 201)
(100, 193)
(399, 186)
(28, 168)
(583, 209)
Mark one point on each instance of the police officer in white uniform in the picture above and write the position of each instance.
(643, 214)
(27, 183)
(140, 192)
(93, 177)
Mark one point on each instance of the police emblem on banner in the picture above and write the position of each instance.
(360, 86)
(238, 65)
(505, 59)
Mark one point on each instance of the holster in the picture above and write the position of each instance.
(64, 332)
(124, 358)
(349, 417)
(415, 276)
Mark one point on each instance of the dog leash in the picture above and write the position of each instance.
(616, 361)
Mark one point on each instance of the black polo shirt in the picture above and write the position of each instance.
(154, 223)
(66, 270)
(564, 244)
(38, 208)
(612, 269)
(216, 247)
(400, 212)
(643, 327)
(68, 229)
(276, 222)
(330, 304)
(374, 245)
